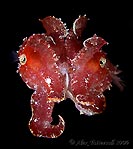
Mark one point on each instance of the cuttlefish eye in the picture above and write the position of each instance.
(102, 62)
(22, 59)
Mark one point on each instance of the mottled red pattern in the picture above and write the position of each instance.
(59, 65)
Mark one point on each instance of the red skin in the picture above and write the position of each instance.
(58, 65)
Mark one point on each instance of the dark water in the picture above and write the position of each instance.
(109, 20)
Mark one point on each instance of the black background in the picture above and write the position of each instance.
(110, 20)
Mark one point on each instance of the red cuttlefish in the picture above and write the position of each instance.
(58, 65)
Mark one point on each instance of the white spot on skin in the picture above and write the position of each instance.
(24, 39)
(35, 120)
(97, 108)
(73, 82)
(42, 73)
(98, 96)
(86, 80)
(36, 103)
(35, 87)
(53, 136)
(54, 55)
(46, 124)
(48, 81)
(51, 91)
(81, 112)
(49, 108)
(101, 84)
(48, 45)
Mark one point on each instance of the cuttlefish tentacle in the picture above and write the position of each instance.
(40, 122)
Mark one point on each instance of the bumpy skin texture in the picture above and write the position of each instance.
(59, 65)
